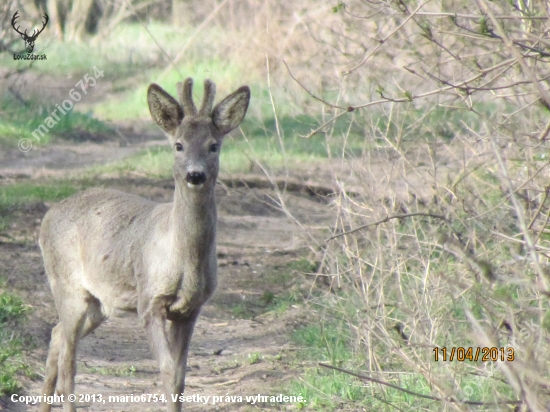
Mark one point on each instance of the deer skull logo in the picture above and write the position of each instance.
(29, 40)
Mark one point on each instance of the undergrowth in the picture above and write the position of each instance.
(12, 312)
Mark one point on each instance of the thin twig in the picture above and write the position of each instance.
(482, 73)
(386, 219)
(541, 275)
(368, 56)
(329, 121)
(471, 89)
(420, 395)
(543, 225)
(191, 38)
(479, 16)
(544, 133)
(312, 95)
(545, 97)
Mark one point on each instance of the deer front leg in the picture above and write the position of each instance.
(196, 288)
(170, 343)
(184, 304)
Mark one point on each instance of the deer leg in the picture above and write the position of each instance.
(79, 317)
(93, 320)
(67, 359)
(50, 379)
(170, 342)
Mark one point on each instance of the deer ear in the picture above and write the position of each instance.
(230, 111)
(164, 109)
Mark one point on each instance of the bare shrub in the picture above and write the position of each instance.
(448, 245)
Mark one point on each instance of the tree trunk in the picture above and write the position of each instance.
(75, 28)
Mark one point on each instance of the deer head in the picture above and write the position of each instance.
(29, 40)
(196, 135)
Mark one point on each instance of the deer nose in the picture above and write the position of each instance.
(195, 178)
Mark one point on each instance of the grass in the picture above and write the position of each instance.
(124, 370)
(12, 311)
(19, 194)
(324, 388)
(126, 50)
(132, 103)
(402, 291)
(12, 195)
(256, 144)
(43, 128)
(254, 358)
(277, 297)
(330, 340)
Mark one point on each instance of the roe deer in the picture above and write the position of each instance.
(107, 251)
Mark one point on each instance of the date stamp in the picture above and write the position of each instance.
(462, 354)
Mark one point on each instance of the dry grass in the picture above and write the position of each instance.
(455, 136)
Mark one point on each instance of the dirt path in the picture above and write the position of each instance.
(240, 345)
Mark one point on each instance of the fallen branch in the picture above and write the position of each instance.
(420, 395)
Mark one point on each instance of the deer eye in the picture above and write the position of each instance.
(213, 148)
(179, 147)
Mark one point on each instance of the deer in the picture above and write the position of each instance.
(29, 40)
(107, 252)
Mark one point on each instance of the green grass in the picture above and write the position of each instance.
(127, 49)
(34, 121)
(123, 370)
(17, 194)
(132, 102)
(22, 193)
(12, 310)
(254, 358)
(323, 388)
(373, 340)
(276, 297)
(240, 153)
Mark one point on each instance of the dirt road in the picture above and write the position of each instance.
(241, 343)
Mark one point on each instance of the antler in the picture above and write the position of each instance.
(15, 16)
(185, 93)
(34, 36)
(34, 33)
(208, 98)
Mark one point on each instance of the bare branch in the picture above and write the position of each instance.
(386, 219)
(510, 45)
(420, 395)
(312, 95)
(368, 56)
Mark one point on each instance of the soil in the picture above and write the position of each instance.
(240, 347)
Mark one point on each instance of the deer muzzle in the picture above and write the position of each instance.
(195, 179)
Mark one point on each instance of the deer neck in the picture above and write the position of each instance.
(194, 221)
(194, 230)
